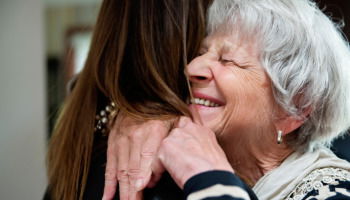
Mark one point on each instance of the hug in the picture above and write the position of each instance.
(269, 92)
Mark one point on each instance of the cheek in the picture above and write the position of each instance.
(249, 101)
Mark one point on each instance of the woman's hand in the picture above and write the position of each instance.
(191, 149)
(131, 156)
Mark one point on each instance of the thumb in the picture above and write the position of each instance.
(195, 116)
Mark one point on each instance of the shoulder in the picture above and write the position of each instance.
(326, 183)
(217, 185)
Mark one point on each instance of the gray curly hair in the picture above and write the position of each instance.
(305, 56)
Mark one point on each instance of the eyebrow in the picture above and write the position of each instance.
(240, 60)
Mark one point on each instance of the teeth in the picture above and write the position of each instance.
(204, 102)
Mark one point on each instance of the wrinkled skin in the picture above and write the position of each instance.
(131, 156)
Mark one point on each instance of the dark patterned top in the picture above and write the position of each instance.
(320, 184)
(217, 185)
(325, 183)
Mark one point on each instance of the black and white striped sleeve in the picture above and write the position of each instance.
(215, 185)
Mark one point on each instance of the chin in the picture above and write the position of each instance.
(210, 117)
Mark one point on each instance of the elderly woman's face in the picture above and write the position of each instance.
(232, 92)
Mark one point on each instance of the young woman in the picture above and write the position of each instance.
(137, 57)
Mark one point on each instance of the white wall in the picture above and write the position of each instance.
(22, 100)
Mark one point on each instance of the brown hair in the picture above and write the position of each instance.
(137, 57)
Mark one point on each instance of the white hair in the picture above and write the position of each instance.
(305, 56)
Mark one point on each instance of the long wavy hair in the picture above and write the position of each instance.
(137, 57)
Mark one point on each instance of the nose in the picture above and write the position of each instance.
(199, 71)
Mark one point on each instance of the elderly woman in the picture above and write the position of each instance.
(272, 83)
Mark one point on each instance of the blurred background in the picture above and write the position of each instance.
(43, 43)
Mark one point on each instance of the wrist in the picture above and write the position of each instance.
(203, 168)
(210, 178)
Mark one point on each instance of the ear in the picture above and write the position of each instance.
(287, 123)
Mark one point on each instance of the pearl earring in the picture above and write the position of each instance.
(279, 137)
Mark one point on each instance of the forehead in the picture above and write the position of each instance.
(231, 43)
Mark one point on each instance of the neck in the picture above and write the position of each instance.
(251, 162)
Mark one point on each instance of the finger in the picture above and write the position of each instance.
(186, 125)
(157, 169)
(187, 128)
(111, 168)
(195, 115)
(183, 122)
(148, 156)
(122, 164)
(110, 175)
(153, 180)
(136, 139)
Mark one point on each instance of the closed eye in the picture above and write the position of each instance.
(231, 63)
(228, 62)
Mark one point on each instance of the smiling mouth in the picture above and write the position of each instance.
(204, 102)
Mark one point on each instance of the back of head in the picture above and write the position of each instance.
(305, 56)
(137, 56)
(142, 65)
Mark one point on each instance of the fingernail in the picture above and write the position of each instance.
(182, 122)
(139, 184)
